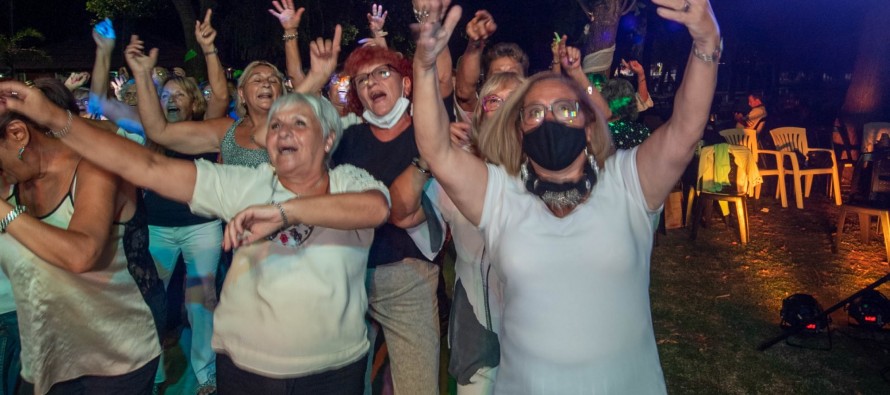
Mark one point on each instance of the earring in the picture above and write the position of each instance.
(21, 153)
(592, 160)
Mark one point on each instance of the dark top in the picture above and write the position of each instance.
(385, 161)
(164, 212)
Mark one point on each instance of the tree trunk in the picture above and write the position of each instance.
(195, 67)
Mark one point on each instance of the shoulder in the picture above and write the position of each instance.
(348, 178)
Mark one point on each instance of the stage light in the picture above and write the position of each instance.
(803, 311)
(870, 309)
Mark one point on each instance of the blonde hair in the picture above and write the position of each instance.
(240, 106)
(199, 105)
(501, 140)
(494, 83)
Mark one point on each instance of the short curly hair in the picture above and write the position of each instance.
(368, 55)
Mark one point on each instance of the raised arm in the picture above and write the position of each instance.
(187, 137)
(664, 155)
(463, 176)
(290, 17)
(642, 88)
(172, 178)
(469, 66)
(99, 105)
(405, 193)
(570, 63)
(323, 54)
(216, 76)
(355, 210)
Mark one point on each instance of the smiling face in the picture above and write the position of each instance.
(294, 140)
(260, 88)
(379, 86)
(178, 105)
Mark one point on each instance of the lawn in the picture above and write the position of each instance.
(714, 301)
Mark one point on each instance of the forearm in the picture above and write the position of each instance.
(642, 88)
(99, 78)
(149, 107)
(133, 162)
(313, 83)
(293, 62)
(405, 193)
(345, 211)
(69, 250)
(692, 105)
(596, 97)
(216, 77)
(468, 69)
(445, 72)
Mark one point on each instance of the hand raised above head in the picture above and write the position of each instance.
(433, 35)
(287, 15)
(104, 36)
(696, 15)
(481, 26)
(205, 34)
(323, 53)
(30, 102)
(377, 18)
(138, 61)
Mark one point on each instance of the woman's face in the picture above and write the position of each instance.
(260, 88)
(294, 140)
(494, 101)
(547, 96)
(379, 86)
(177, 104)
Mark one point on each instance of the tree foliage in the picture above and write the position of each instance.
(115, 9)
(15, 47)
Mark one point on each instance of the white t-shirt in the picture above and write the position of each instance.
(288, 311)
(576, 289)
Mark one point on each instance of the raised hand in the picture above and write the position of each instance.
(118, 85)
(569, 57)
(103, 35)
(433, 32)
(696, 15)
(323, 54)
(287, 15)
(76, 80)
(205, 34)
(376, 19)
(30, 102)
(460, 134)
(252, 224)
(636, 67)
(481, 26)
(138, 61)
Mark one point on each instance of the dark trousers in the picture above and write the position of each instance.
(232, 380)
(137, 382)
(10, 348)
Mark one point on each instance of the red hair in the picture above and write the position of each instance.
(369, 55)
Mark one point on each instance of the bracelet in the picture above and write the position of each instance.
(64, 132)
(288, 37)
(712, 57)
(213, 51)
(416, 163)
(478, 43)
(283, 215)
(11, 216)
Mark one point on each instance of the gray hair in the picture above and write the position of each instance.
(240, 105)
(324, 111)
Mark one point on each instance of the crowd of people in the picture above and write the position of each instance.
(324, 197)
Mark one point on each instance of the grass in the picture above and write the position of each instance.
(714, 301)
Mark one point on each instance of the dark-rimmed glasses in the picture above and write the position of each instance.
(491, 103)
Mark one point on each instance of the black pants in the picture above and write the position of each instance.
(137, 382)
(232, 380)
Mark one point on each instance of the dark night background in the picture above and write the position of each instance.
(766, 41)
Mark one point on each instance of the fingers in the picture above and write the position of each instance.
(338, 36)
(279, 8)
(207, 17)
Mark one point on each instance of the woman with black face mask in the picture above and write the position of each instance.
(567, 220)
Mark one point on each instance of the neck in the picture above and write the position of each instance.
(304, 185)
(572, 173)
(48, 158)
(257, 125)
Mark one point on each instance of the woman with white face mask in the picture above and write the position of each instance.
(567, 220)
(385, 147)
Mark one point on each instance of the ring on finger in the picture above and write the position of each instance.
(421, 15)
(686, 6)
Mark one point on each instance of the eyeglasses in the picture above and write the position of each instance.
(564, 111)
(491, 103)
(379, 74)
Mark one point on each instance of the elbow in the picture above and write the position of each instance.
(379, 211)
(83, 262)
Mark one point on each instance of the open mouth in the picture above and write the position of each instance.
(265, 95)
(375, 96)
(286, 150)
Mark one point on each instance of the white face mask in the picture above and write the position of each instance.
(390, 119)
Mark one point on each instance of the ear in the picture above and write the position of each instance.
(17, 133)
(329, 142)
(406, 86)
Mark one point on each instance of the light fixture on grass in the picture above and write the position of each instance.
(870, 310)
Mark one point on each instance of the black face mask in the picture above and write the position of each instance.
(553, 145)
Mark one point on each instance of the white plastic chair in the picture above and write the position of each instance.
(748, 138)
(791, 139)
